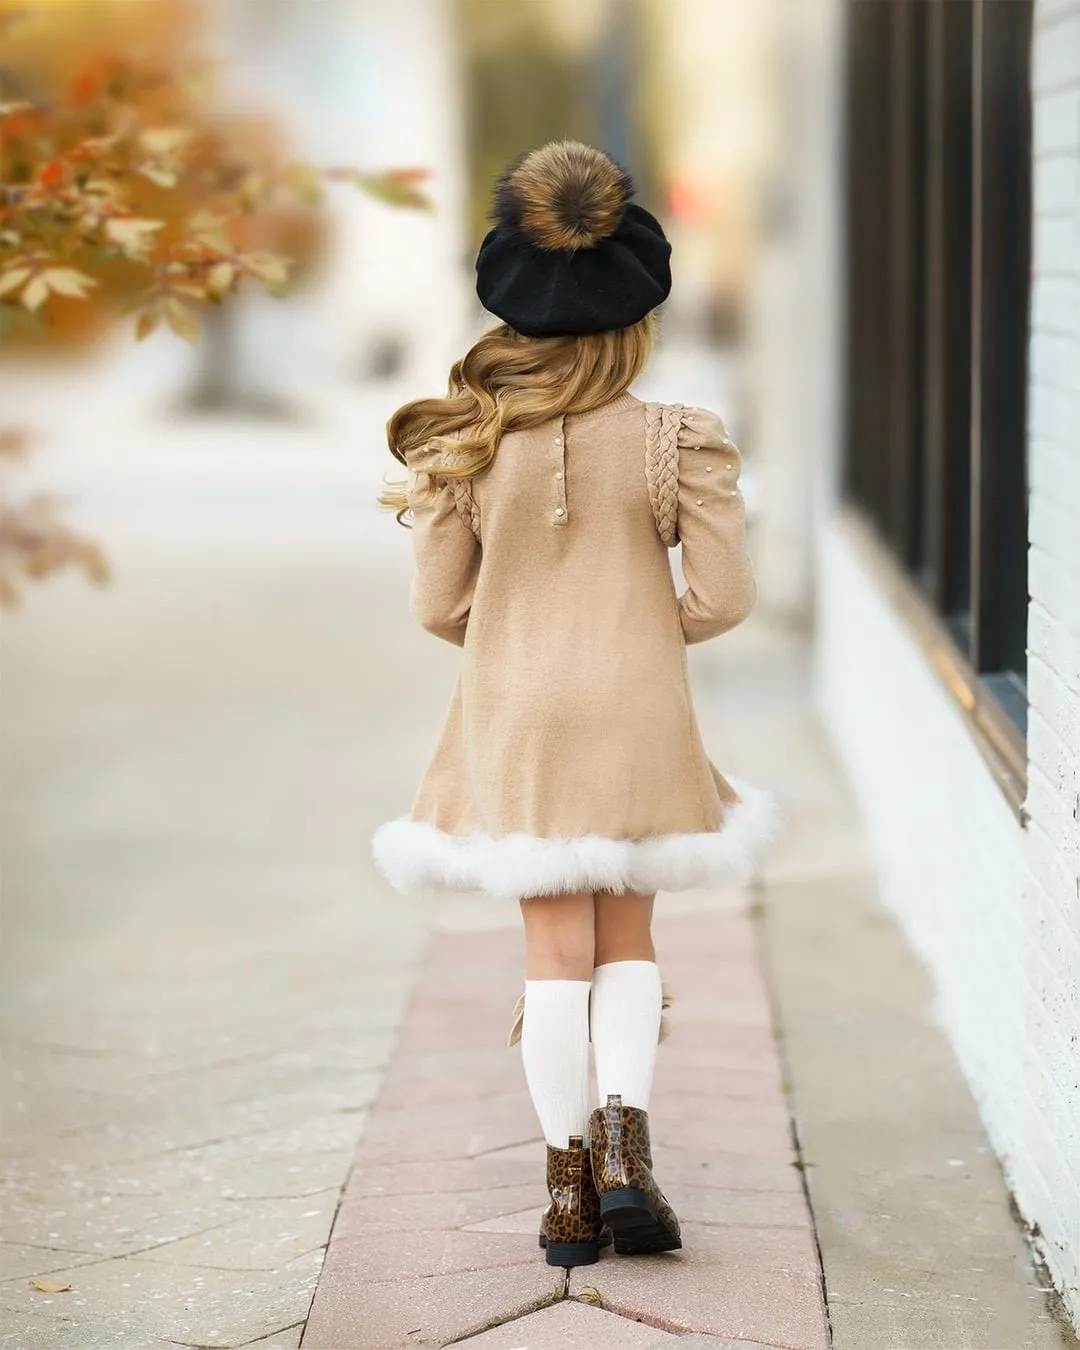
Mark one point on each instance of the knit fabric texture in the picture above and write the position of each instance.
(663, 422)
(555, 1056)
(624, 1017)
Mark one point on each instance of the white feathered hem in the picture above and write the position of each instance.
(414, 855)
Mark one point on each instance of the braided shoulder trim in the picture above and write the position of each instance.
(465, 504)
(662, 423)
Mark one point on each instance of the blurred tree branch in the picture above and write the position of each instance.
(123, 190)
(34, 540)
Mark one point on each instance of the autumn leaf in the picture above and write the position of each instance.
(68, 281)
(164, 178)
(192, 289)
(12, 279)
(133, 234)
(51, 173)
(414, 175)
(84, 87)
(220, 278)
(92, 147)
(35, 294)
(164, 140)
(95, 564)
(50, 1287)
(147, 321)
(391, 189)
(268, 267)
(210, 230)
(181, 320)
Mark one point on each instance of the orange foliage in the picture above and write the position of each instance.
(123, 187)
(122, 183)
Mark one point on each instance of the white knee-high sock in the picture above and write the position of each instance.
(555, 1053)
(625, 1015)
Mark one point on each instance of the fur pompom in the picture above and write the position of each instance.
(563, 196)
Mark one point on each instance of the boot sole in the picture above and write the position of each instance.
(638, 1228)
(570, 1253)
(604, 1240)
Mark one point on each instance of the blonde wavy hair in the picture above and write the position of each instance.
(507, 382)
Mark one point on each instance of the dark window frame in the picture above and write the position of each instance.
(938, 158)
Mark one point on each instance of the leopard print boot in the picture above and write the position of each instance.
(631, 1203)
(571, 1224)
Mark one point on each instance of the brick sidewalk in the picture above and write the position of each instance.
(435, 1240)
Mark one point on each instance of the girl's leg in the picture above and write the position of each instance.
(623, 929)
(626, 1003)
(626, 999)
(559, 938)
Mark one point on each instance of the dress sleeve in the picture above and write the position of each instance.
(447, 555)
(720, 589)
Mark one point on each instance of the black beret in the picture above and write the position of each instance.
(569, 253)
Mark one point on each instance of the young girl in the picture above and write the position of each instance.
(570, 775)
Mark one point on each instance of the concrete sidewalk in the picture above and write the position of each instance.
(436, 1238)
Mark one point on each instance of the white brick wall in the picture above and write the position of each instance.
(995, 908)
(1045, 1162)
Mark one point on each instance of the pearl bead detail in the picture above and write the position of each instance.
(699, 501)
(559, 511)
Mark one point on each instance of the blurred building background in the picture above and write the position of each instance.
(875, 211)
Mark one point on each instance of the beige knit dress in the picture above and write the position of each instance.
(571, 759)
